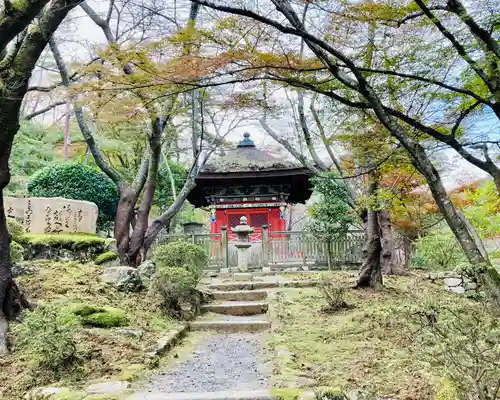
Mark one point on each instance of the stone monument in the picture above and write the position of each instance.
(52, 215)
(243, 244)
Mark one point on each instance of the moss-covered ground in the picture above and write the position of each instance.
(107, 353)
(372, 345)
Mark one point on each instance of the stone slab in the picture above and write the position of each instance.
(224, 395)
(236, 308)
(231, 326)
(240, 295)
(452, 282)
(53, 215)
(238, 286)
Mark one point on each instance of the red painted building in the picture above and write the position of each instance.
(250, 182)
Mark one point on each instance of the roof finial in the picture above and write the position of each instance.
(246, 142)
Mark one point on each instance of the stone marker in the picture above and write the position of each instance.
(53, 215)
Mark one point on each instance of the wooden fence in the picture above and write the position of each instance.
(278, 248)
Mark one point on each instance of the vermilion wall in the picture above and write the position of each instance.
(223, 217)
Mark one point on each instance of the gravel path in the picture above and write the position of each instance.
(224, 361)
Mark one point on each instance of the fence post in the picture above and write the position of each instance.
(265, 246)
(225, 256)
(304, 251)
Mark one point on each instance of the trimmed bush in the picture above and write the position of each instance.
(188, 256)
(15, 229)
(78, 182)
(105, 257)
(16, 252)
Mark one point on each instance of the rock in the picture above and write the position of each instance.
(146, 271)
(452, 282)
(167, 341)
(307, 395)
(107, 388)
(291, 269)
(456, 289)
(285, 353)
(300, 382)
(432, 276)
(124, 278)
(359, 395)
(43, 393)
(242, 276)
(22, 269)
(111, 245)
(130, 332)
(471, 286)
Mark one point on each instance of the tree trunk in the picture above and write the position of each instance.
(370, 274)
(123, 220)
(386, 258)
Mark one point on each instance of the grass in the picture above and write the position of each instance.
(109, 354)
(369, 346)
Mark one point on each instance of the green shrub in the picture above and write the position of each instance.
(169, 287)
(181, 255)
(16, 252)
(78, 182)
(49, 344)
(15, 229)
(438, 250)
(105, 257)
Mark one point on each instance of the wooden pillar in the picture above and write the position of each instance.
(225, 255)
(265, 246)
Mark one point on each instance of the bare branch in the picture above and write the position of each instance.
(43, 110)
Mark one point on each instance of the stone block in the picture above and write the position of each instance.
(107, 388)
(242, 276)
(53, 215)
(456, 289)
(452, 282)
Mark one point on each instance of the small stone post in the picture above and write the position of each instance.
(225, 255)
(243, 231)
(265, 246)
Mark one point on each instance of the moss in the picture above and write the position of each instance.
(67, 240)
(82, 310)
(19, 5)
(448, 391)
(331, 394)
(132, 372)
(15, 229)
(105, 257)
(286, 394)
(108, 317)
(69, 395)
(16, 252)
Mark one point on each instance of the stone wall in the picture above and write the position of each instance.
(454, 282)
(52, 215)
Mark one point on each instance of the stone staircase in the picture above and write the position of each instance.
(238, 307)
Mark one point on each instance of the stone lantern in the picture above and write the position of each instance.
(243, 244)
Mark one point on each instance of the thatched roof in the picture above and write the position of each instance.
(246, 157)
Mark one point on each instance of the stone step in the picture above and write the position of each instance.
(231, 325)
(224, 395)
(238, 286)
(240, 308)
(240, 295)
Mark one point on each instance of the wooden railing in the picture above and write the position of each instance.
(278, 248)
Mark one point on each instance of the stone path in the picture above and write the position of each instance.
(229, 364)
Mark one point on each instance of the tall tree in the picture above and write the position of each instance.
(25, 28)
